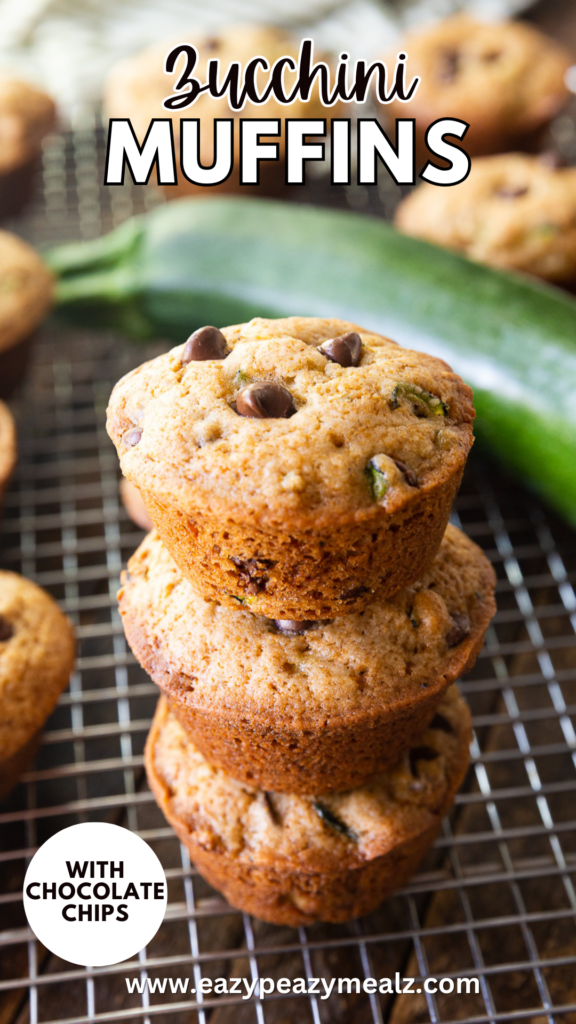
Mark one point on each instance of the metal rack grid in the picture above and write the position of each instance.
(495, 899)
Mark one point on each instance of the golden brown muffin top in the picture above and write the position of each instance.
(505, 73)
(327, 832)
(383, 431)
(138, 85)
(8, 446)
(36, 658)
(26, 287)
(386, 655)
(513, 210)
(27, 114)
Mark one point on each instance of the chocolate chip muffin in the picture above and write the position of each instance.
(292, 859)
(513, 211)
(303, 468)
(27, 114)
(36, 658)
(138, 85)
(505, 78)
(26, 287)
(7, 447)
(306, 707)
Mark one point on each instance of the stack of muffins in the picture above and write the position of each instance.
(304, 605)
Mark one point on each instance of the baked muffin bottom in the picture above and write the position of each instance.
(293, 861)
(292, 573)
(320, 711)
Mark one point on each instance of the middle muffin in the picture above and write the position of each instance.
(306, 707)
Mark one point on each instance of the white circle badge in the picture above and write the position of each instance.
(95, 894)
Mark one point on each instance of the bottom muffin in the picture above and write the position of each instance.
(294, 860)
(36, 659)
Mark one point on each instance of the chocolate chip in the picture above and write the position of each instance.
(449, 65)
(211, 44)
(272, 810)
(6, 628)
(410, 475)
(132, 437)
(439, 722)
(265, 400)
(345, 350)
(353, 593)
(333, 821)
(460, 629)
(512, 191)
(292, 627)
(205, 343)
(421, 754)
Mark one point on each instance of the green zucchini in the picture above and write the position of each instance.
(222, 261)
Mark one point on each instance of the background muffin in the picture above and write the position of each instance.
(27, 114)
(513, 211)
(135, 507)
(283, 479)
(137, 87)
(36, 659)
(307, 707)
(505, 78)
(8, 447)
(25, 299)
(293, 860)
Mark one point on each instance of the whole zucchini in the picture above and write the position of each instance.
(222, 261)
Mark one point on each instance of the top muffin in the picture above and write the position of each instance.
(272, 450)
(505, 78)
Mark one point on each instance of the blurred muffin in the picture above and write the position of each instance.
(26, 115)
(134, 505)
(7, 447)
(26, 287)
(138, 85)
(513, 211)
(505, 78)
(36, 659)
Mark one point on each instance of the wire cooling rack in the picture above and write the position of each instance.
(495, 900)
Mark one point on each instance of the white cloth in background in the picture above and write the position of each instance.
(68, 45)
